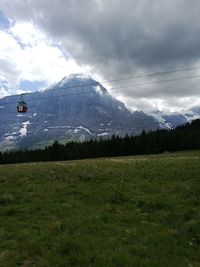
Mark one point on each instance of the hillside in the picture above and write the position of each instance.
(125, 211)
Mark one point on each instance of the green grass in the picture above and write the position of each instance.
(126, 211)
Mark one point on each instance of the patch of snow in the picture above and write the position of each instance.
(23, 130)
(102, 134)
(76, 130)
(190, 115)
(101, 124)
(85, 129)
(98, 90)
(10, 138)
(34, 114)
(160, 119)
(65, 80)
(119, 107)
(166, 124)
(45, 130)
(80, 76)
(1, 107)
(9, 134)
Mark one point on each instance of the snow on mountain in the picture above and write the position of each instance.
(23, 131)
(192, 114)
(172, 119)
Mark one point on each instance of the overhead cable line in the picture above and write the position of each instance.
(150, 75)
(120, 79)
(129, 78)
(112, 88)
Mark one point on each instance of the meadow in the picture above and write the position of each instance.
(141, 211)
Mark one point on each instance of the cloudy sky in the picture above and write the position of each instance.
(42, 41)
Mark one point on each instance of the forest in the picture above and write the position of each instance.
(184, 137)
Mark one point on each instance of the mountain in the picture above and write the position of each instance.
(174, 119)
(76, 108)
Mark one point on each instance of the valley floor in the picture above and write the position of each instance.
(127, 211)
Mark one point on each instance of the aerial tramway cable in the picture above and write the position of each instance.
(115, 87)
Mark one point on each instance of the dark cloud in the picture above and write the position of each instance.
(121, 38)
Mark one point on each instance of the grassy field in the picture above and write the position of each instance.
(126, 211)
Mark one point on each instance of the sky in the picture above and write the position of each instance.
(43, 41)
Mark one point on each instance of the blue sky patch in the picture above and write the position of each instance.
(32, 86)
(4, 22)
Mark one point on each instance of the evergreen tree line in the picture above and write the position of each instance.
(181, 138)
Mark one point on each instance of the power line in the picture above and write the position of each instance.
(150, 75)
(121, 79)
(112, 88)
(130, 78)
(157, 82)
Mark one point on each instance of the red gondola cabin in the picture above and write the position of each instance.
(22, 107)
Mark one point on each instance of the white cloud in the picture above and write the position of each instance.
(3, 92)
(27, 54)
(28, 34)
(142, 37)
